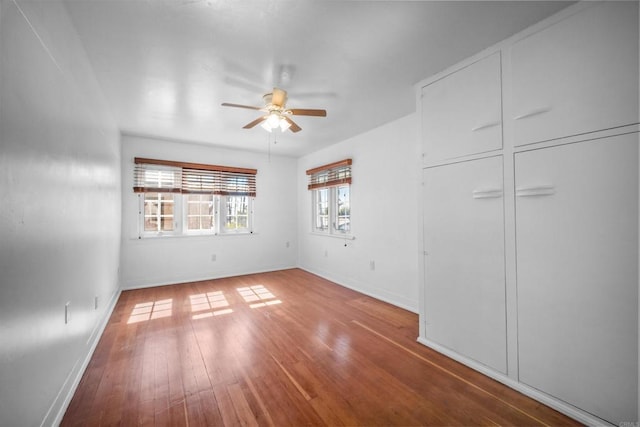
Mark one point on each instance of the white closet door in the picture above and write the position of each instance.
(462, 112)
(464, 264)
(577, 274)
(579, 75)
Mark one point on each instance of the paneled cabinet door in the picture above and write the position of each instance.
(462, 112)
(464, 260)
(579, 75)
(577, 274)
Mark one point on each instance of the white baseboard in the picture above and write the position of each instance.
(131, 285)
(61, 402)
(354, 286)
(558, 405)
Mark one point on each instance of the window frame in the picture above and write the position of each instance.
(332, 215)
(143, 216)
(223, 217)
(185, 216)
(181, 218)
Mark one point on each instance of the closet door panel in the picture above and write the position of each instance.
(577, 273)
(579, 75)
(464, 264)
(462, 112)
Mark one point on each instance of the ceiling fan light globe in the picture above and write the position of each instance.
(274, 120)
(265, 125)
(284, 125)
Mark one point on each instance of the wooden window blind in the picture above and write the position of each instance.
(151, 175)
(330, 175)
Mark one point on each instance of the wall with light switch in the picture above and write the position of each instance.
(382, 258)
(59, 211)
(163, 260)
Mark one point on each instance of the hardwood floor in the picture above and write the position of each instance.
(280, 349)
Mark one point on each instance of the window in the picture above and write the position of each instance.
(330, 187)
(237, 211)
(189, 198)
(343, 208)
(199, 212)
(158, 212)
(321, 205)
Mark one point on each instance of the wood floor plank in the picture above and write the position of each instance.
(243, 411)
(280, 349)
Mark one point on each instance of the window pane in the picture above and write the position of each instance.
(343, 209)
(321, 209)
(167, 223)
(193, 208)
(158, 212)
(193, 223)
(207, 222)
(237, 212)
(150, 224)
(199, 212)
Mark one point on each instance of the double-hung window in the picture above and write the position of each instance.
(179, 198)
(330, 187)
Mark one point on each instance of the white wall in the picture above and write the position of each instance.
(156, 261)
(59, 210)
(384, 209)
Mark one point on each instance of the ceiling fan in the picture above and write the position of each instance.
(277, 115)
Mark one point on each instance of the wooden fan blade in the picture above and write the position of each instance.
(278, 97)
(226, 104)
(294, 127)
(308, 112)
(255, 122)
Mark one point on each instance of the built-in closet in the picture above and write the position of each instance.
(530, 211)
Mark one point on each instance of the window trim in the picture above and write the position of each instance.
(222, 221)
(177, 222)
(185, 217)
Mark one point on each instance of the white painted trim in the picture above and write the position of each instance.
(61, 402)
(379, 296)
(558, 405)
(131, 285)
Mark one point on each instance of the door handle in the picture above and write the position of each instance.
(532, 113)
(535, 191)
(493, 193)
(486, 126)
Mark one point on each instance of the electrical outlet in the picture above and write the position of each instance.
(213, 257)
(67, 312)
(95, 302)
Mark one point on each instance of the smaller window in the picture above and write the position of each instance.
(342, 223)
(321, 210)
(199, 213)
(159, 211)
(330, 187)
(237, 213)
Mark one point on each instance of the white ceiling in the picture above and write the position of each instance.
(165, 66)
